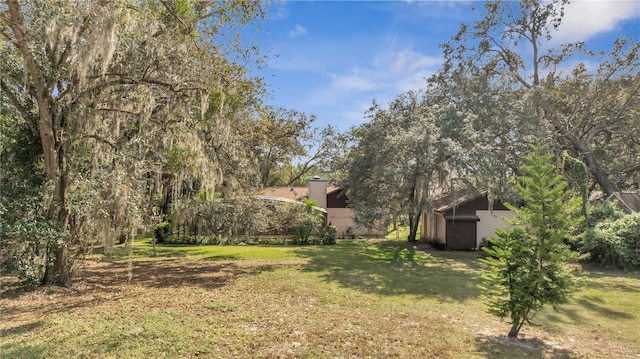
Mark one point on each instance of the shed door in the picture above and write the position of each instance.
(461, 235)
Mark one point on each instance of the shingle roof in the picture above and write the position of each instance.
(630, 200)
(290, 192)
(285, 192)
(453, 199)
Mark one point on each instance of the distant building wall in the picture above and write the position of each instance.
(342, 219)
(337, 199)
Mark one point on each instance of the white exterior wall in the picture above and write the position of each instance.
(441, 228)
(488, 223)
(437, 233)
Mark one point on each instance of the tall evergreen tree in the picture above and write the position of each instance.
(528, 265)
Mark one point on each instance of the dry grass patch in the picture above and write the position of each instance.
(360, 299)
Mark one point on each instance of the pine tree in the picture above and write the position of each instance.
(528, 264)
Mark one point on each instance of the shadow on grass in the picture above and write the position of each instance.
(23, 349)
(597, 271)
(98, 281)
(121, 252)
(592, 305)
(168, 273)
(392, 268)
(630, 287)
(496, 347)
(20, 329)
(584, 309)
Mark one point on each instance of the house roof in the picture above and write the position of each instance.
(630, 200)
(291, 192)
(462, 217)
(287, 200)
(285, 192)
(453, 199)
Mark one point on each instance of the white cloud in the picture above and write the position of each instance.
(409, 60)
(384, 75)
(298, 30)
(584, 19)
(277, 11)
(352, 82)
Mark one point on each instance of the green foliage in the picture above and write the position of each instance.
(600, 211)
(304, 224)
(611, 237)
(528, 264)
(110, 135)
(402, 156)
(300, 232)
(577, 175)
(162, 232)
(226, 241)
(496, 68)
(209, 222)
(25, 232)
(615, 241)
(328, 235)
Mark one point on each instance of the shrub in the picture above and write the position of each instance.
(162, 232)
(601, 211)
(615, 242)
(301, 233)
(328, 235)
(350, 233)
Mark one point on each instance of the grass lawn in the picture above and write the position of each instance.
(358, 299)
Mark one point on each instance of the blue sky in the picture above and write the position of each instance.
(333, 58)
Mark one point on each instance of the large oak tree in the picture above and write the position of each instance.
(118, 93)
(505, 68)
(405, 155)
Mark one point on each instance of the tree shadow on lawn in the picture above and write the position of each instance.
(163, 251)
(583, 311)
(598, 271)
(495, 347)
(171, 273)
(23, 349)
(393, 268)
(99, 281)
(20, 329)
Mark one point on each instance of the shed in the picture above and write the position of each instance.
(463, 219)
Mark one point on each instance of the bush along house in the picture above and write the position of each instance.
(329, 198)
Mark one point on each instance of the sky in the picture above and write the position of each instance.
(333, 58)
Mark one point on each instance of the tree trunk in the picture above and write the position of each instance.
(414, 221)
(58, 270)
(58, 266)
(594, 167)
(515, 330)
